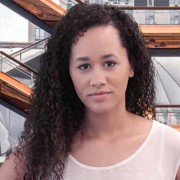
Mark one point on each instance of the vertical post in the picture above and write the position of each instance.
(32, 79)
(1, 63)
(20, 55)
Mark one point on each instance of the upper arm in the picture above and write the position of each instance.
(178, 175)
(7, 170)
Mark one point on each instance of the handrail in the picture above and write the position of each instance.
(150, 7)
(167, 105)
(23, 65)
(31, 45)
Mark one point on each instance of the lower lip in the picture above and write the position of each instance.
(99, 97)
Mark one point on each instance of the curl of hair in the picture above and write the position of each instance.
(57, 112)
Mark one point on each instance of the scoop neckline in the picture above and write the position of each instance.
(131, 157)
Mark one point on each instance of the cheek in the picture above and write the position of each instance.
(120, 81)
(80, 90)
(78, 85)
(79, 80)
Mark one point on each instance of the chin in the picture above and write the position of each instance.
(100, 109)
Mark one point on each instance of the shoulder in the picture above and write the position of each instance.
(166, 128)
(167, 134)
(7, 170)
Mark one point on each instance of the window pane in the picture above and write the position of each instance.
(41, 33)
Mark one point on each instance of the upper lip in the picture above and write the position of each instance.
(99, 93)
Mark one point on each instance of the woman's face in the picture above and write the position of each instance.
(100, 69)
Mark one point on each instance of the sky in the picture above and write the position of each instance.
(13, 27)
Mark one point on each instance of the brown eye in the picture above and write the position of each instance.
(109, 64)
(84, 67)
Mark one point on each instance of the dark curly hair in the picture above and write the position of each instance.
(57, 112)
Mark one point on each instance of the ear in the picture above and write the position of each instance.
(131, 72)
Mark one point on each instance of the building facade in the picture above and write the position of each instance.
(144, 16)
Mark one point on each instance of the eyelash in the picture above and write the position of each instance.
(84, 67)
(111, 63)
(107, 64)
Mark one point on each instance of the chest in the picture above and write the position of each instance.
(131, 168)
(99, 153)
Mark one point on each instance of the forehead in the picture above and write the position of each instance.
(97, 40)
(98, 33)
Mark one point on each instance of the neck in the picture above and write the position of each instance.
(107, 125)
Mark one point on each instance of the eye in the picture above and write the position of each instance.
(84, 67)
(109, 64)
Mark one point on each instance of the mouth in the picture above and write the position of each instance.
(99, 95)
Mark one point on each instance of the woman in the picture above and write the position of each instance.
(95, 86)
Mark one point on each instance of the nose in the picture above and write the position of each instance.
(98, 78)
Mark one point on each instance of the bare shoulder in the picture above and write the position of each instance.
(7, 170)
(141, 124)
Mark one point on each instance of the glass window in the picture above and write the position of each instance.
(172, 21)
(150, 2)
(149, 17)
(176, 1)
(130, 12)
(151, 21)
(69, 5)
(175, 17)
(39, 34)
(176, 21)
(129, 1)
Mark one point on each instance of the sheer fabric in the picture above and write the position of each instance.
(158, 158)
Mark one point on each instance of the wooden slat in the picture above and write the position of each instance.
(29, 5)
(41, 10)
(166, 46)
(161, 36)
(54, 6)
(177, 127)
(167, 30)
(16, 84)
(14, 97)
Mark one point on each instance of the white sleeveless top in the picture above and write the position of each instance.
(158, 158)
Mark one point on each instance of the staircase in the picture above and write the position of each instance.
(15, 84)
(15, 92)
(42, 13)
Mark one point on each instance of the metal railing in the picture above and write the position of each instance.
(168, 114)
(9, 132)
(67, 4)
(30, 51)
(17, 70)
(154, 15)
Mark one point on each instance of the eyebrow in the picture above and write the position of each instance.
(82, 59)
(108, 56)
(102, 57)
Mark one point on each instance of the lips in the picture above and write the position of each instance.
(99, 96)
(99, 93)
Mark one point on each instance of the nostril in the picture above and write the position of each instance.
(96, 81)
